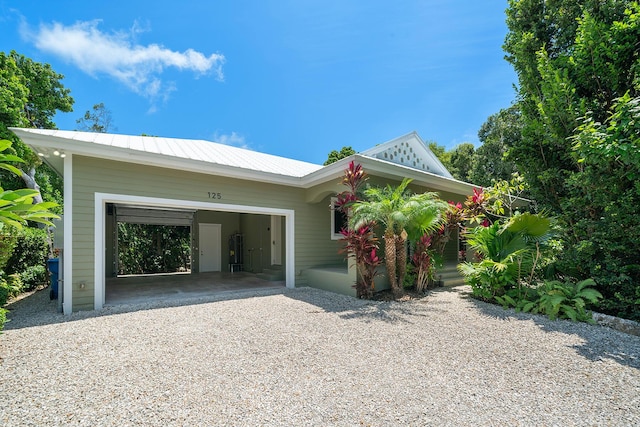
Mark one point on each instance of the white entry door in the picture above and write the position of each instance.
(276, 240)
(210, 247)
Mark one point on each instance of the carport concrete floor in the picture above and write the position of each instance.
(162, 287)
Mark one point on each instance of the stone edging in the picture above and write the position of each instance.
(622, 325)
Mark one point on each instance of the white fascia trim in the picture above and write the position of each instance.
(67, 254)
(101, 199)
(109, 152)
(386, 169)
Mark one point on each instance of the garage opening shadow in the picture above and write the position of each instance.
(168, 288)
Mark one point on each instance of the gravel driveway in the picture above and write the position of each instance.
(308, 357)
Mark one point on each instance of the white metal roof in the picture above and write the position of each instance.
(216, 154)
(212, 158)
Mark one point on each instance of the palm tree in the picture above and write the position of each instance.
(425, 214)
(396, 209)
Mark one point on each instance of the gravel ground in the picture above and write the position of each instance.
(308, 357)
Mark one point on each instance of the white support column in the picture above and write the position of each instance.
(67, 258)
(290, 275)
(98, 252)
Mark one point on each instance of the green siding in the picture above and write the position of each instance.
(90, 175)
(313, 244)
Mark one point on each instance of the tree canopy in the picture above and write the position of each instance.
(498, 134)
(578, 67)
(335, 155)
(98, 119)
(31, 93)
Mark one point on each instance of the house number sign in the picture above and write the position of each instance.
(213, 195)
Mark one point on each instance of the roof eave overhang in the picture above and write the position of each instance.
(82, 148)
(385, 169)
(334, 171)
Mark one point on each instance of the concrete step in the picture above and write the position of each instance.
(273, 273)
(449, 275)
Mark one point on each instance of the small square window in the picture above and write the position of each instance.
(338, 221)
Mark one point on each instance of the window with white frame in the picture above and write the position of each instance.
(338, 220)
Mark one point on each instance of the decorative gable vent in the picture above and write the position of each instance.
(410, 151)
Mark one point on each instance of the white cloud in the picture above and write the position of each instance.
(117, 55)
(233, 139)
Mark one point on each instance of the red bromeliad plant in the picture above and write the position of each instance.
(476, 207)
(354, 178)
(361, 244)
(423, 260)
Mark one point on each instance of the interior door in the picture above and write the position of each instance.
(276, 240)
(210, 244)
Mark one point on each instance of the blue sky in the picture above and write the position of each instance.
(296, 78)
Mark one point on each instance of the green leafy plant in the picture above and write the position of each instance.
(509, 254)
(10, 287)
(17, 206)
(565, 300)
(30, 249)
(3, 318)
(33, 276)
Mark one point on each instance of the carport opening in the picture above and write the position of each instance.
(147, 241)
(157, 253)
(153, 249)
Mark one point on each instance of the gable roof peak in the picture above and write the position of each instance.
(411, 151)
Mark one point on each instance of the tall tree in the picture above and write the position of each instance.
(31, 94)
(578, 66)
(462, 161)
(98, 119)
(500, 132)
(571, 57)
(441, 153)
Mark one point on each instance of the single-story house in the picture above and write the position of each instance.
(281, 207)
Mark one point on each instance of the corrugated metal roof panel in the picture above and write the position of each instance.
(197, 150)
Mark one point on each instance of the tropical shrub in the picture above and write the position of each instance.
(565, 300)
(8, 239)
(10, 287)
(556, 299)
(423, 260)
(5, 292)
(33, 277)
(31, 248)
(509, 253)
